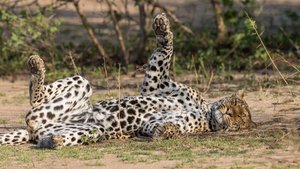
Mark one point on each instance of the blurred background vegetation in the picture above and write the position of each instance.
(93, 35)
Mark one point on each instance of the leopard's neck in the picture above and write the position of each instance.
(215, 118)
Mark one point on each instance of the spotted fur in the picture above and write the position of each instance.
(61, 114)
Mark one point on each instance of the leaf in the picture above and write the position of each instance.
(228, 3)
(238, 37)
(53, 29)
(292, 15)
(250, 24)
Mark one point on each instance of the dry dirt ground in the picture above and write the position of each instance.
(273, 107)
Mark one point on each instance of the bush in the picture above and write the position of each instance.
(23, 34)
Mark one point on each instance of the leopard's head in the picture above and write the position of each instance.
(237, 114)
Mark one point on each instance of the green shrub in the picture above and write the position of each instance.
(23, 34)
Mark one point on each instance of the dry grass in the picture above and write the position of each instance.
(275, 144)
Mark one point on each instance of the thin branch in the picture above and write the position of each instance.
(290, 40)
(73, 63)
(209, 82)
(290, 64)
(142, 57)
(92, 36)
(57, 5)
(264, 46)
(139, 69)
(232, 50)
(124, 59)
(222, 30)
(195, 70)
(119, 105)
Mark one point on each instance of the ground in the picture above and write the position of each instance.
(274, 144)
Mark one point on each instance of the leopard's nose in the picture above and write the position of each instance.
(229, 112)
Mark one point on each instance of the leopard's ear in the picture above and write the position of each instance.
(240, 93)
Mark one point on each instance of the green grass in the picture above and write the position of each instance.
(184, 151)
(3, 121)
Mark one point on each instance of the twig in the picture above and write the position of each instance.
(119, 83)
(195, 69)
(73, 63)
(209, 82)
(270, 64)
(171, 15)
(126, 12)
(264, 46)
(139, 69)
(289, 63)
(142, 56)
(123, 59)
(222, 30)
(293, 66)
(290, 40)
(232, 50)
(92, 36)
(54, 5)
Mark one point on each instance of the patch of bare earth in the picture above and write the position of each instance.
(14, 103)
(273, 108)
(108, 162)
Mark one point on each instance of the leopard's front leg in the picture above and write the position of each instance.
(17, 137)
(59, 135)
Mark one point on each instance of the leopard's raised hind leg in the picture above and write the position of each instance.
(37, 77)
(159, 63)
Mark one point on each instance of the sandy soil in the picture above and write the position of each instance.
(271, 108)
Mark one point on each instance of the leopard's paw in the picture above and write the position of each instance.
(166, 131)
(36, 65)
(161, 24)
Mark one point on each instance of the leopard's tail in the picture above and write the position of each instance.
(17, 137)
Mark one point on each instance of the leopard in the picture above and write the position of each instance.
(62, 115)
